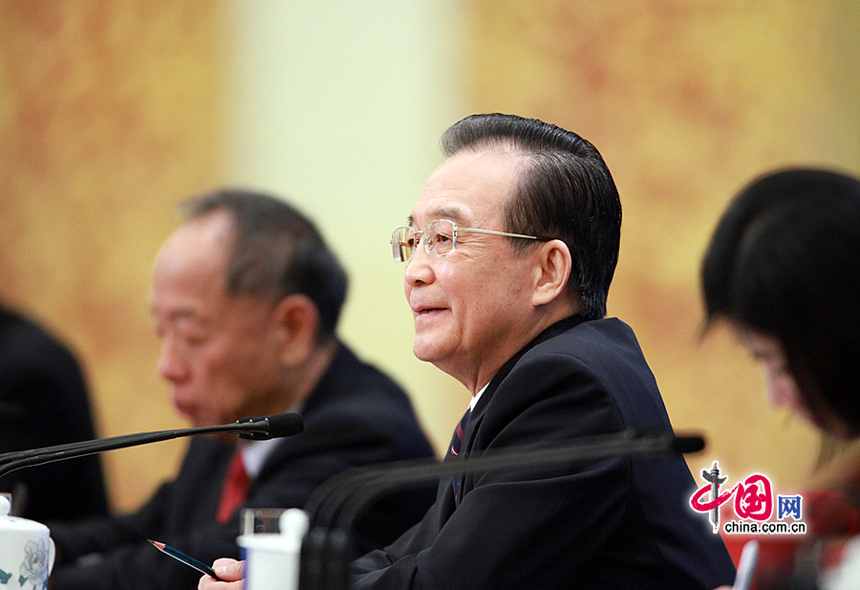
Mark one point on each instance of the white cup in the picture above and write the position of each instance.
(261, 520)
(26, 551)
(272, 559)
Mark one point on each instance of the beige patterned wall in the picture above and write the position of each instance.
(686, 100)
(110, 113)
(108, 116)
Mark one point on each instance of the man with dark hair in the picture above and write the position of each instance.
(245, 299)
(557, 164)
(510, 251)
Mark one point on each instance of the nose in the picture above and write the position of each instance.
(171, 363)
(418, 269)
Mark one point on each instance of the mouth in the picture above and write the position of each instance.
(421, 310)
(421, 314)
(183, 409)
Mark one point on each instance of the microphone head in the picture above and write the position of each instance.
(288, 424)
(275, 426)
(688, 444)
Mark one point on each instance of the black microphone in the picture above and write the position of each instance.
(341, 501)
(258, 428)
(266, 427)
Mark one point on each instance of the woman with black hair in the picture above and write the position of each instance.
(783, 269)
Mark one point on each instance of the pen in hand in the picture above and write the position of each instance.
(186, 559)
(746, 567)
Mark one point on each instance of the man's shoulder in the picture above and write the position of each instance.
(31, 344)
(603, 352)
(609, 327)
(587, 339)
(349, 378)
(357, 397)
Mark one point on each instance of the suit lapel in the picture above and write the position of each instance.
(472, 444)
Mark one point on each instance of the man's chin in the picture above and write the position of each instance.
(422, 353)
(429, 351)
(201, 422)
(226, 437)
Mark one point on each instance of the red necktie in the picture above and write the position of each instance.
(235, 489)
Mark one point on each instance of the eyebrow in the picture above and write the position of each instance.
(180, 315)
(453, 213)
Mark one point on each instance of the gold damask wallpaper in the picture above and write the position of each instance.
(111, 111)
(108, 116)
(686, 101)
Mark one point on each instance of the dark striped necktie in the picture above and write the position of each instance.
(456, 441)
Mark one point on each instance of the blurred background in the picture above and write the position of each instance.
(113, 111)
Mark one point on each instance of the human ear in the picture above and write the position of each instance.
(552, 272)
(298, 322)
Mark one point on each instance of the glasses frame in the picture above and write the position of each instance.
(396, 245)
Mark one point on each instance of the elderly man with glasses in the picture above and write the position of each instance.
(509, 252)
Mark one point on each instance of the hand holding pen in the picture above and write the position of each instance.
(186, 559)
(229, 570)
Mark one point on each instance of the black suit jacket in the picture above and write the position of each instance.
(44, 402)
(356, 416)
(601, 525)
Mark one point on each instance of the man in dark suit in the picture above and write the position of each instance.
(510, 251)
(245, 299)
(43, 402)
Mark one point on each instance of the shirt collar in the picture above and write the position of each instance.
(255, 452)
(477, 396)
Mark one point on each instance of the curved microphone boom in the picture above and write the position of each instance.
(340, 501)
(257, 428)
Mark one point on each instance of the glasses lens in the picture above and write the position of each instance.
(439, 236)
(403, 243)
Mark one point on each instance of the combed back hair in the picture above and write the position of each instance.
(784, 261)
(565, 191)
(276, 252)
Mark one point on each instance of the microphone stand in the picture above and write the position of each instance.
(257, 428)
(340, 501)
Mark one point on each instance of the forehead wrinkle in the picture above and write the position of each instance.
(455, 214)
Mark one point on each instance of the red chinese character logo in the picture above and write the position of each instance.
(753, 497)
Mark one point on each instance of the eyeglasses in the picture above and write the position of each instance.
(440, 238)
